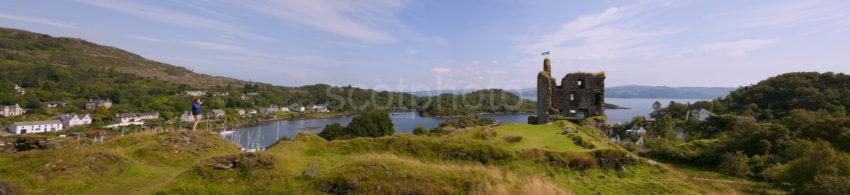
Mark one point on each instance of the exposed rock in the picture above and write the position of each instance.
(239, 161)
(8, 188)
(310, 171)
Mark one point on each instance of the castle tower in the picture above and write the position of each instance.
(580, 95)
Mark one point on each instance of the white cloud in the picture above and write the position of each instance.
(737, 48)
(614, 33)
(36, 20)
(352, 19)
(173, 17)
(144, 38)
(440, 70)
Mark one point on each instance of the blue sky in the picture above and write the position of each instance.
(415, 45)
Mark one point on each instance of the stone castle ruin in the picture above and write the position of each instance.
(579, 96)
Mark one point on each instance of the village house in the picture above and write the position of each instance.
(11, 110)
(128, 117)
(54, 104)
(272, 109)
(252, 112)
(221, 94)
(20, 89)
(94, 104)
(194, 93)
(215, 113)
(638, 131)
(26, 127)
(187, 117)
(701, 114)
(319, 108)
(284, 109)
(73, 120)
(295, 107)
(240, 111)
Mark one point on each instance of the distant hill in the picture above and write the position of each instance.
(641, 91)
(36, 48)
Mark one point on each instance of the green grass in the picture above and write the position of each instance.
(477, 160)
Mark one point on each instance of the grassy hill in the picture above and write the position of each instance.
(503, 159)
(30, 47)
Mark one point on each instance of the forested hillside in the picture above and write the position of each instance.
(792, 130)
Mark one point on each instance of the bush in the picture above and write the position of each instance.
(333, 131)
(572, 160)
(736, 164)
(613, 158)
(367, 124)
(513, 138)
(821, 170)
(580, 141)
(419, 130)
(484, 133)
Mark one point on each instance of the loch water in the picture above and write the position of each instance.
(265, 134)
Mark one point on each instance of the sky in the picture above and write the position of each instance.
(448, 44)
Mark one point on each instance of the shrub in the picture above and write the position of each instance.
(734, 164)
(571, 160)
(484, 133)
(580, 141)
(419, 130)
(333, 131)
(613, 158)
(367, 124)
(513, 138)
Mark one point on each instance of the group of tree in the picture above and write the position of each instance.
(792, 130)
(373, 123)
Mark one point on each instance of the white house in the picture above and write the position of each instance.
(187, 117)
(240, 111)
(194, 93)
(54, 104)
(20, 89)
(72, 120)
(284, 109)
(128, 117)
(636, 131)
(319, 108)
(215, 113)
(94, 104)
(297, 108)
(701, 114)
(35, 126)
(146, 116)
(272, 109)
(252, 112)
(11, 110)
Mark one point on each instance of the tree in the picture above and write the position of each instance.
(332, 131)
(367, 124)
(419, 130)
(656, 106)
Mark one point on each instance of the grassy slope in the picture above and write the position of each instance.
(474, 161)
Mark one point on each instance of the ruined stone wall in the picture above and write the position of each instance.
(579, 95)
